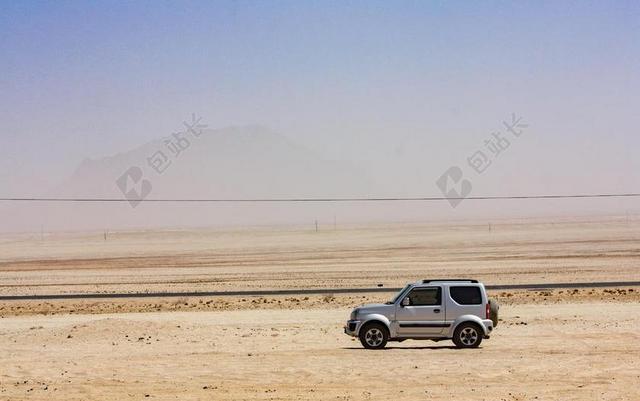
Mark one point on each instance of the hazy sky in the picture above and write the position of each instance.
(403, 89)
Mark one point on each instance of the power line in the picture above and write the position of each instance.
(346, 199)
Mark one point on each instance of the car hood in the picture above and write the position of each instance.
(375, 308)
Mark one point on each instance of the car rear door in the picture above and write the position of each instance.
(424, 315)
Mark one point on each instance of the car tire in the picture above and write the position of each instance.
(374, 335)
(467, 335)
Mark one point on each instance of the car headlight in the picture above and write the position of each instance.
(354, 314)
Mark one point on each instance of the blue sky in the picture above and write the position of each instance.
(407, 88)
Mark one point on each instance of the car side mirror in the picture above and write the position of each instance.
(406, 301)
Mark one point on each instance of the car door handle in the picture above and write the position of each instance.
(436, 311)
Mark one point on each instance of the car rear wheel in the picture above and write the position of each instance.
(374, 336)
(467, 335)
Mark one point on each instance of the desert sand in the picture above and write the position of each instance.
(558, 351)
(563, 344)
(527, 251)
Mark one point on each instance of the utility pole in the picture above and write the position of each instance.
(316, 225)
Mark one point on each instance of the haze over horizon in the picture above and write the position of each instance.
(394, 93)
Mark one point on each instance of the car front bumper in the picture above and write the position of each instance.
(352, 327)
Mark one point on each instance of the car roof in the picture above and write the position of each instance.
(451, 280)
(448, 283)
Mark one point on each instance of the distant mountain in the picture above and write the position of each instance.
(238, 162)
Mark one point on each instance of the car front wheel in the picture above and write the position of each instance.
(374, 336)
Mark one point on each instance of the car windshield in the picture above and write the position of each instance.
(395, 299)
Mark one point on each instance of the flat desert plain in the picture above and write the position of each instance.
(563, 344)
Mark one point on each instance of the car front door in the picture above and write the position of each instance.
(421, 313)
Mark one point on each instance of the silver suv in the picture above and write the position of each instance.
(428, 310)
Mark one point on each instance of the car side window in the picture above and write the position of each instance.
(466, 295)
(431, 296)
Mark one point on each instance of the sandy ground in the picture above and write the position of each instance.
(563, 351)
(563, 344)
(285, 258)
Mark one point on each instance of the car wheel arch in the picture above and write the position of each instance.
(466, 319)
(377, 319)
